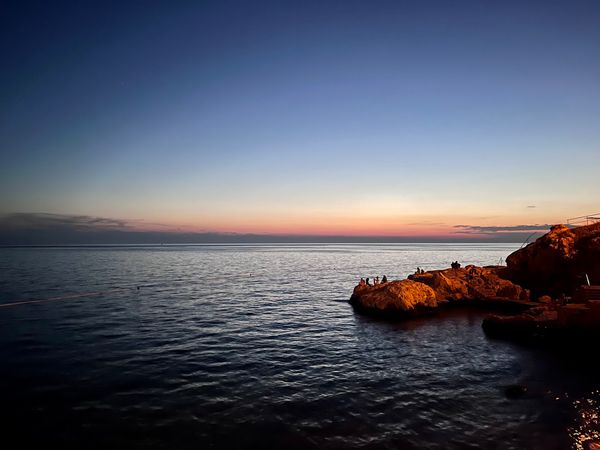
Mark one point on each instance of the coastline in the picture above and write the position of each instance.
(541, 286)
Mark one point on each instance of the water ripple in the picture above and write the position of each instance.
(256, 347)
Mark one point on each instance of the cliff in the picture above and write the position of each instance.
(557, 262)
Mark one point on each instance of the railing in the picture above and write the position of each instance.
(584, 220)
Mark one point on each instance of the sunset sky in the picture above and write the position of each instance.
(399, 118)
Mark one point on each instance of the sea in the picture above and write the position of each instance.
(256, 347)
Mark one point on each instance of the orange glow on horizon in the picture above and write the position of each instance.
(321, 226)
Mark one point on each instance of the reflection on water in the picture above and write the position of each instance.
(587, 422)
(239, 347)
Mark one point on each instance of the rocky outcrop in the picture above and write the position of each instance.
(546, 270)
(536, 322)
(428, 291)
(472, 283)
(405, 297)
(547, 321)
(557, 262)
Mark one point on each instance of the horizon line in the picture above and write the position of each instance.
(233, 244)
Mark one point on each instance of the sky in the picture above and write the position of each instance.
(422, 119)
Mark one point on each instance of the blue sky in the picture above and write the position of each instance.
(354, 118)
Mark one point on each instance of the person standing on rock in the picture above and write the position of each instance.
(384, 279)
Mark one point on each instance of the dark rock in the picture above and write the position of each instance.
(536, 322)
(560, 323)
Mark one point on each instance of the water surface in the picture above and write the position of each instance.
(255, 346)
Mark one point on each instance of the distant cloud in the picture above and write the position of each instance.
(44, 221)
(477, 229)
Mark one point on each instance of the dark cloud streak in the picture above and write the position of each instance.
(477, 229)
(44, 221)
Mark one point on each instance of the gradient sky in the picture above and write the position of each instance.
(345, 118)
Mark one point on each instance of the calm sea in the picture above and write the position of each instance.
(255, 346)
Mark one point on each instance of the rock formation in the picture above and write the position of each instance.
(549, 321)
(557, 262)
(427, 291)
(471, 283)
(554, 265)
(394, 298)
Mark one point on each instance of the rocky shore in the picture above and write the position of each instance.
(429, 291)
(544, 283)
